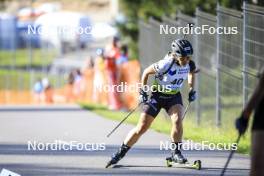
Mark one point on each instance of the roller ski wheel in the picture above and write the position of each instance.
(109, 164)
(197, 164)
(169, 162)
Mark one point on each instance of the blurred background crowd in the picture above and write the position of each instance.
(109, 66)
(41, 62)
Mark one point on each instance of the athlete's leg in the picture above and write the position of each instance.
(142, 126)
(150, 111)
(257, 153)
(176, 112)
(144, 123)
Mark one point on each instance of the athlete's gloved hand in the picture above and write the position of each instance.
(192, 95)
(143, 96)
(242, 124)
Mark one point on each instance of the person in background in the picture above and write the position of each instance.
(69, 88)
(99, 78)
(122, 71)
(88, 79)
(38, 90)
(48, 91)
(256, 103)
(113, 48)
(112, 53)
(123, 58)
(77, 88)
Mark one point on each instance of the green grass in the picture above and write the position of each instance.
(21, 80)
(20, 58)
(203, 132)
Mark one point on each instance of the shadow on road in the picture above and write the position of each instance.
(37, 169)
(137, 152)
(25, 149)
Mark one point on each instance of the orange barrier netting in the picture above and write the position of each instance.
(129, 74)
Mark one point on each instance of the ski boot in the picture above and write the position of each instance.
(177, 157)
(178, 160)
(118, 155)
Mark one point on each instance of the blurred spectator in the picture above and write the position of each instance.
(78, 86)
(123, 58)
(48, 91)
(71, 78)
(48, 94)
(87, 79)
(113, 50)
(38, 90)
(112, 53)
(89, 64)
(81, 84)
(45, 82)
(99, 80)
(69, 88)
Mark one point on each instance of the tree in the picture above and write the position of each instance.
(143, 9)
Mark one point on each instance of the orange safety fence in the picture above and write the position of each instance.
(129, 74)
(15, 97)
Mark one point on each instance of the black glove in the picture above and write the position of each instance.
(192, 95)
(241, 124)
(143, 96)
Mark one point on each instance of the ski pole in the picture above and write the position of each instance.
(124, 119)
(186, 109)
(230, 156)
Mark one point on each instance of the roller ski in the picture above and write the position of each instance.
(118, 156)
(113, 161)
(178, 160)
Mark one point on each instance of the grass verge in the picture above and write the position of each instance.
(20, 57)
(203, 132)
(23, 80)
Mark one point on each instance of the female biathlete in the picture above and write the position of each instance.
(170, 73)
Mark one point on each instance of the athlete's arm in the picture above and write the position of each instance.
(191, 75)
(191, 79)
(257, 96)
(148, 71)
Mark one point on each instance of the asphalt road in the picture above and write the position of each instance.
(20, 126)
